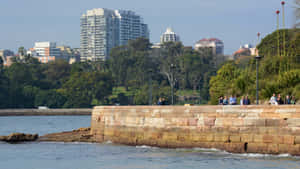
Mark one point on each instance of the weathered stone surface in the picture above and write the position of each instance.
(297, 140)
(209, 121)
(252, 129)
(257, 148)
(293, 122)
(235, 139)
(258, 138)
(268, 139)
(278, 139)
(289, 139)
(80, 135)
(247, 138)
(221, 138)
(272, 149)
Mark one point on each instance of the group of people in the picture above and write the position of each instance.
(233, 100)
(162, 101)
(278, 100)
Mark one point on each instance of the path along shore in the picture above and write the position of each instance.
(45, 112)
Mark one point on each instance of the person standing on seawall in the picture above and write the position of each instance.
(242, 100)
(247, 100)
(159, 101)
(225, 100)
(232, 100)
(221, 100)
(287, 100)
(279, 99)
(273, 100)
(293, 101)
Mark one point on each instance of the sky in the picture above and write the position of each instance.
(235, 22)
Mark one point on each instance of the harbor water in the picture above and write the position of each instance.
(50, 155)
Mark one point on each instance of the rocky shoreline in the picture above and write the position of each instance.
(79, 135)
(19, 137)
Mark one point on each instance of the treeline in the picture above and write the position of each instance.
(278, 72)
(134, 74)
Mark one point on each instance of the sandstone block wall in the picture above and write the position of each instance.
(239, 129)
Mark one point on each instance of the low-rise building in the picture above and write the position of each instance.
(8, 61)
(66, 52)
(245, 50)
(45, 52)
(216, 45)
(6, 56)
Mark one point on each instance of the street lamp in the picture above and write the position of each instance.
(278, 33)
(257, 58)
(283, 25)
(172, 67)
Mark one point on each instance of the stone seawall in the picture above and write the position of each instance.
(44, 112)
(238, 129)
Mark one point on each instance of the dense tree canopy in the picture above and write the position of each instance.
(278, 73)
(133, 74)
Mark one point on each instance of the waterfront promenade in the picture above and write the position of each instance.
(44, 112)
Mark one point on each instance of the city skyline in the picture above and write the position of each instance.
(236, 22)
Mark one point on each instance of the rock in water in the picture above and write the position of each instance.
(19, 137)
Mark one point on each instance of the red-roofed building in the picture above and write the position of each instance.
(215, 44)
(246, 50)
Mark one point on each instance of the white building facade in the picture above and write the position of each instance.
(102, 29)
(45, 51)
(169, 36)
(216, 45)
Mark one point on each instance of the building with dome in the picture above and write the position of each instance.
(169, 36)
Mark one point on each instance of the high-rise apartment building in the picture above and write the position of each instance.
(102, 29)
(169, 36)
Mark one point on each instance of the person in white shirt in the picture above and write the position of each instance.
(273, 100)
(242, 100)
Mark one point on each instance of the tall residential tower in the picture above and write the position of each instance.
(102, 29)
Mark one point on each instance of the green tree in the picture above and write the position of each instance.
(222, 83)
(82, 88)
(57, 72)
(49, 98)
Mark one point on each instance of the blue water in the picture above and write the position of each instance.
(110, 156)
(42, 124)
